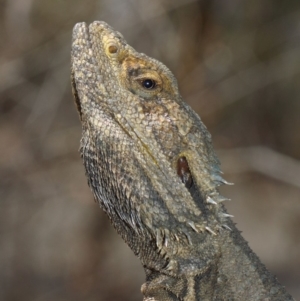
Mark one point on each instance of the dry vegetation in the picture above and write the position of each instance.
(238, 66)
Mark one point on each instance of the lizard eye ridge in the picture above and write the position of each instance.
(149, 83)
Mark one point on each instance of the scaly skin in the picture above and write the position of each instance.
(152, 168)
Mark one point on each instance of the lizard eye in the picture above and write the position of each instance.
(149, 84)
(141, 80)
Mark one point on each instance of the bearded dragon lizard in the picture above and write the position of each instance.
(151, 166)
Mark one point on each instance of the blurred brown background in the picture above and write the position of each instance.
(238, 66)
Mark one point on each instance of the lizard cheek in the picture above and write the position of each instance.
(184, 172)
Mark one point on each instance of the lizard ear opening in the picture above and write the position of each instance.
(184, 172)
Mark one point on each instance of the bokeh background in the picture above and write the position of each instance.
(238, 66)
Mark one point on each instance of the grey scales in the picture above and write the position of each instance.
(151, 166)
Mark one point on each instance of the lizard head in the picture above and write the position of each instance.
(148, 156)
(151, 166)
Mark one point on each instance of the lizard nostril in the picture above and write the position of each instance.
(112, 49)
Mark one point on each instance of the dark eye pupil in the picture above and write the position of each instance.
(148, 84)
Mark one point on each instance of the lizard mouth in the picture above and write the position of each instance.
(83, 63)
(79, 38)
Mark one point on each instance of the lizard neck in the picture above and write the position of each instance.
(233, 273)
(241, 273)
